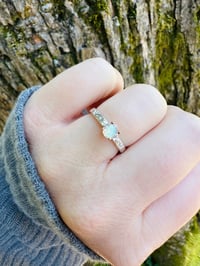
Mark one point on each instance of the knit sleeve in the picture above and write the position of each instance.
(30, 200)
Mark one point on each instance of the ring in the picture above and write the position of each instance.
(110, 130)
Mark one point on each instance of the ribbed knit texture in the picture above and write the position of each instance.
(31, 231)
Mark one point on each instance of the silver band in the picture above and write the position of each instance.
(110, 130)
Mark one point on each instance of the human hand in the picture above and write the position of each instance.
(123, 206)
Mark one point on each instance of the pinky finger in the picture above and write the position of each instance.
(168, 214)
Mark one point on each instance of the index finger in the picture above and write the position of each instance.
(78, 87)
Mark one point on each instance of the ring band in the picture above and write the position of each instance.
(110, 130)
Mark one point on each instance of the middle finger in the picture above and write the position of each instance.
(161, 159)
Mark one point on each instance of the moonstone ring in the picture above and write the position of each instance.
(110, 130)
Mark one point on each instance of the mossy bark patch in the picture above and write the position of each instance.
(182, 249)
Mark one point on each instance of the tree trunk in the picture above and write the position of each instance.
(156, 42)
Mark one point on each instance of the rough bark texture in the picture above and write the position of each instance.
(156, 42)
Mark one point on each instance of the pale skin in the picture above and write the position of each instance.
(122, 206)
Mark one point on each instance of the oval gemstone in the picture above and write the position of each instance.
(110, 131)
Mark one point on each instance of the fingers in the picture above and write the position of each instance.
(78, 87)
(168, 214)
(160, 160)
(135, 110)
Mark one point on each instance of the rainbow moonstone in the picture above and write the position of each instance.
(110, 131)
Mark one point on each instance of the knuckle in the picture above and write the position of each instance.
(190, 123)
(151, 99)
(193, 125)
(154, 101)
(156, 97)
(100, 66)
(99, 62)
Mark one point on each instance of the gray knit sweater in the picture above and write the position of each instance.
(31, 231)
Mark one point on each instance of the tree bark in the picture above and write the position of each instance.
(156, 42)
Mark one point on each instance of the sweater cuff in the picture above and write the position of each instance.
(27, 188)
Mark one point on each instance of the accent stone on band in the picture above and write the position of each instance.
(99, 117)
(119, 143)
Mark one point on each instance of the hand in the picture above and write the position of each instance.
(123, 206)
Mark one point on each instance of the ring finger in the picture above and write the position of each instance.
(135, 111)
